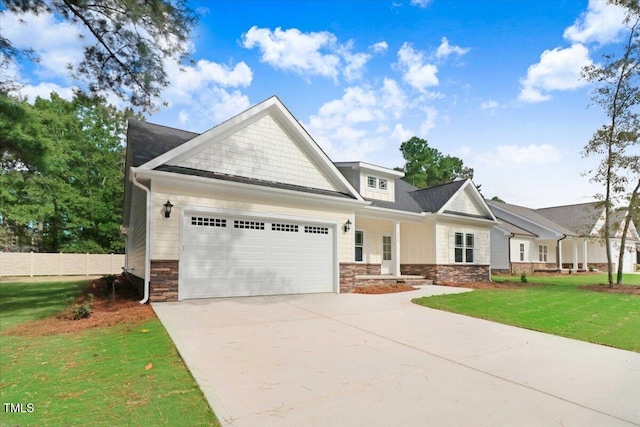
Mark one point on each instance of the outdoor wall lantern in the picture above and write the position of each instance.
(167, 209)
(347, 226)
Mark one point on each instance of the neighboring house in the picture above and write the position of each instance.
(257, 208)
(562, 237)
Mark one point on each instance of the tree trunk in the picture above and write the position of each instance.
(623, 239)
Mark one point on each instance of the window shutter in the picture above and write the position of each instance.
(452, 247)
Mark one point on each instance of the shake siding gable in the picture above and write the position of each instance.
(465, 203)
(261, 150)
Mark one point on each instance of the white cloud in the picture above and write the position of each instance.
(379, 47)
(601, 23)
(357, 125)
(186, 81)
(421, 3)
(57, 43)
(400, 134)
(429, 121)
(416, 72)
(445, 49)
(307, 54)
(354, 62)
(205, 108)
(490, 105)
(293, 50)
(558, 69)
(515, 155)
(44, 89)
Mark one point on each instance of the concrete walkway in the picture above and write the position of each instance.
(379, 360)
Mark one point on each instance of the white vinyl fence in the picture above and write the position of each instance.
(59, 264)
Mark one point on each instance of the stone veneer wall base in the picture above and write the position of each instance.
(444, 273)
(163, 283)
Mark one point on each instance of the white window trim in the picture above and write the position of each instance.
(383, 184)
(372, 180)
(543, 253)
(464, 248)
(355, 245)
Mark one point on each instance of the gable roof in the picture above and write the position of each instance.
(404, 200)
(433, 199)
(580, 219)
(146, 141)
(273, 110)
(529, 215)
(428, 200)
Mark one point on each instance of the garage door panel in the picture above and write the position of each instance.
(225, 256)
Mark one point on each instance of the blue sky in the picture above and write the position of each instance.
(495, 83)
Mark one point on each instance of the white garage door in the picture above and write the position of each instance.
(234, 256)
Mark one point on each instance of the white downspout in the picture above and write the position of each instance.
(147, 258)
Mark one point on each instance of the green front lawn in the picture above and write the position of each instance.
(98, 377)
(558, 307)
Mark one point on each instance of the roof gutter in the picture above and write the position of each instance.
(147, 247)
(559, 254)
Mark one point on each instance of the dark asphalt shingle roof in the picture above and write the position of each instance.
(146, 141)
(432, 199)
(404, 200)
(532, 215)
(580, 218)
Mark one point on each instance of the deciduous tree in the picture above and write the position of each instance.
(618, 93)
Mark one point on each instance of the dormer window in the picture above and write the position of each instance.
(382, 184)
(372, 182)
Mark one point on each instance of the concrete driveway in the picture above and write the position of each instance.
(379, 360)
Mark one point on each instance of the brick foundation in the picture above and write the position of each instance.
(457, 273)
(349, 271)
(163, 283)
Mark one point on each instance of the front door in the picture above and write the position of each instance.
(387, 262)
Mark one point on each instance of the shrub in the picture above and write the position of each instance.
(523, 277)
(84, 310)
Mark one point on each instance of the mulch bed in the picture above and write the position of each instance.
(616, 289)
(490, 285)
(108, 310)
(383, 289)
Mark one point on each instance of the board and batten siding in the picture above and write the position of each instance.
(499, 249)
(417, 243)
(367, 192)
(137, 237)
(445, 247)
(166, 233)
(531, 249)
(262, 150)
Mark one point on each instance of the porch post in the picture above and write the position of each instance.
(575, 255)
(559, 255)
(396, 257)
(584, 255)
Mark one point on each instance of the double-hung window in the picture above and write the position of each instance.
(543, 253)
(464, 246)
(372, 182)
(359, 244)
(521, 251)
